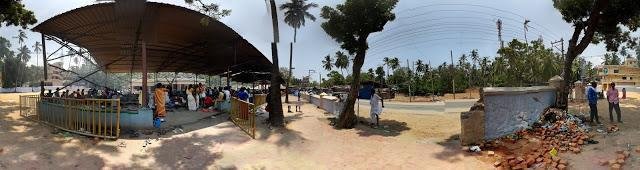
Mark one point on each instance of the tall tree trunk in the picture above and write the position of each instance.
(348, 118)
(575, 48)
(276, 117)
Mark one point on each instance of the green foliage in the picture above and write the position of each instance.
(212, 10)
(356, 19)
(611, 59)
(13, 12)
(334, 78)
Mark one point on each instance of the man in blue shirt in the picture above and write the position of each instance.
(592, 96)
(243, 95)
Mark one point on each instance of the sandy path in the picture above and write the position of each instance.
(408, 142)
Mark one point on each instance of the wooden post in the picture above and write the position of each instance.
(145, 92)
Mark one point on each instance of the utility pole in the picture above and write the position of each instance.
(499, 25)
(453, 78)
(526, 21)
(561, 41)
(410, 79)
(432, 85)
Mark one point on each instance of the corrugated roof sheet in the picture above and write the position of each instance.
(176, 41)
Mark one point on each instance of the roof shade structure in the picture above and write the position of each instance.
(175, 38)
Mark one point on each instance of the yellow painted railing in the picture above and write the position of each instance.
(91, 117)
(259, 99)
(244, 116)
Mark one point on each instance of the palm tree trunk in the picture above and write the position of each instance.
(295, 34)
(276, 117)
(348, 118)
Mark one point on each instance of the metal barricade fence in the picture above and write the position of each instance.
(91, 117)
(259, 99)
(243, 115)
(29, 106)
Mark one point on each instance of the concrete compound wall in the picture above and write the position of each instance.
(327, 103)
(506, 110)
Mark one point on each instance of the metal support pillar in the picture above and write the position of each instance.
(44, 65)
(145, 92)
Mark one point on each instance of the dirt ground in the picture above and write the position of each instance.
(626, 138)
(405, 141)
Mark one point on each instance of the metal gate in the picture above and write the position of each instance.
(243, 115)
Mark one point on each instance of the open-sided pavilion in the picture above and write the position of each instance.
(128, 36)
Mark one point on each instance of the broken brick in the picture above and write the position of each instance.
(576, 150)
(562, 162)
(613, 161)
(539, 159)
(621, 156)
(620, 161)
(491, 153)
(519, 159)
(619, 151)
(615, 167)
(626, 154)
(562, 167)
(580, 142)
(497, 163)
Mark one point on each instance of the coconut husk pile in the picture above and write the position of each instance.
(538, 147)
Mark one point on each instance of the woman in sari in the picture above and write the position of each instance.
(191, 100)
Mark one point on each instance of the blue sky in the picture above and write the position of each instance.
(425, 30)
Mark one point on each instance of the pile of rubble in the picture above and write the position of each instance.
(538, 146)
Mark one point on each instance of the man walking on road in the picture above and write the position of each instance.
(376, 108)
(592, 96)
(614, 102)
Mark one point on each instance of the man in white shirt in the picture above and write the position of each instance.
(376, 108)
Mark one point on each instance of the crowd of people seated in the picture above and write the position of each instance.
(92, 93)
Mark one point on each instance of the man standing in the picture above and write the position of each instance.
(614, 102)
(376, 108)
(592, 96)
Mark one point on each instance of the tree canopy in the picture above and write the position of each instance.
(13, 12)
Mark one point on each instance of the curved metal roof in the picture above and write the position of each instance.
(175, 39)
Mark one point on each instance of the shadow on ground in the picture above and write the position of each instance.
(285, 137)
(452, 151)
(385, 128)
(30, 145)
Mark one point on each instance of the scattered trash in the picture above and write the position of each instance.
(122, 145)
(475, 149)
(613, 129)
(553, 152)
(178, 130)
(213, 117)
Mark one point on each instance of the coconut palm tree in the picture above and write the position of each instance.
(327, 63)
(342, 61)
(37, 49)
(296, 13)
(295, 16)
(21, 37)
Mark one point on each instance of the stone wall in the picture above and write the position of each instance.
(506, 110)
